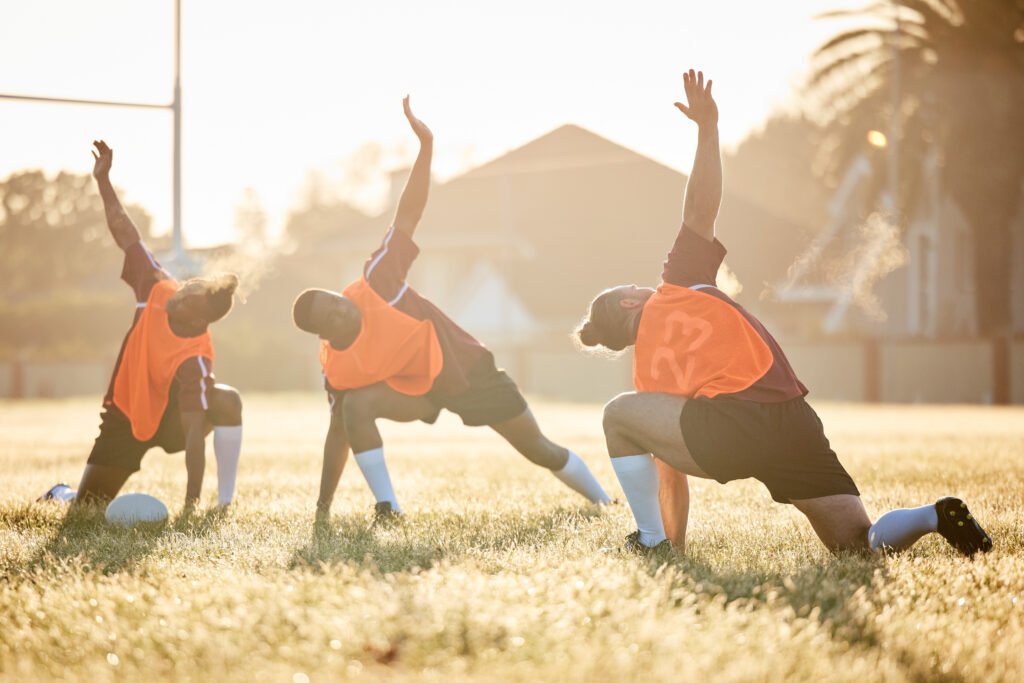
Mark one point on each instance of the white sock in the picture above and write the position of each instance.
(638, 477)
(227, 448)
(900, 529)
(577, 476)
(375, 471)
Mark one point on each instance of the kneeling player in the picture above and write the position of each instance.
(162, 392)
(716, 397)
(387, 352)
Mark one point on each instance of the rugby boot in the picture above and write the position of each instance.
(959, 528)
(385, 515)
(635, 546)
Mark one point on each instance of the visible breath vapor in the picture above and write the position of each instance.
(251, 257)
(251, 262)
(728, 282)
(857, 266)
(879, 252)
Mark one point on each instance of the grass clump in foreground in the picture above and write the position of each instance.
(496, 571)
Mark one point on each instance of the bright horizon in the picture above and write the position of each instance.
(269, 96)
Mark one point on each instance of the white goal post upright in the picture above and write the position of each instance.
(178, 257)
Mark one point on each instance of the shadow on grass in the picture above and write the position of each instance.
(837, 592)
(85, 539)
(421, 541)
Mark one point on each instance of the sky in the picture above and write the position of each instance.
(274, 90)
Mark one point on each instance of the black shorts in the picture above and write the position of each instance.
(782, 445)
(492, 397)
(116, 446)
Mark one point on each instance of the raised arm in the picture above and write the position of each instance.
(121, 227)
(414, 196)
(704, 188)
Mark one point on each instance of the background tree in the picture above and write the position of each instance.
(767, 165)
(53, 235)
(60, 296)
(961, 89)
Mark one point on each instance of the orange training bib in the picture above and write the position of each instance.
(694, 344)
(392, 347)
(151, 357)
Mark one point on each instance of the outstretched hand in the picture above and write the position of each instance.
(104, 160)
(418, 127)
(700, 106)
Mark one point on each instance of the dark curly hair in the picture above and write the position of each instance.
(605, 325)
(220, 291)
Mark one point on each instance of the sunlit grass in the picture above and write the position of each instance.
(497, 571)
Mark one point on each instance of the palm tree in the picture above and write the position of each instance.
(959, 66)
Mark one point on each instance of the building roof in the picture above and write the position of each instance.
(571, 213)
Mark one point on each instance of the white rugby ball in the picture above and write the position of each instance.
(130, 509)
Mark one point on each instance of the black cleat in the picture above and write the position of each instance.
(385, 515)
(635, 546)
(958, 526)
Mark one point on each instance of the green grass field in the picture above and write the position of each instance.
(497, 571)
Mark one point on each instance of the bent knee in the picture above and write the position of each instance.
(618, 410)
(852, 539)
(225, 406)
(358, 405)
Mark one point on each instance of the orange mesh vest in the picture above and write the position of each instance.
(152, 355)
(392, 347)
(693, 344)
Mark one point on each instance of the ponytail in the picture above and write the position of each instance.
(606, 325)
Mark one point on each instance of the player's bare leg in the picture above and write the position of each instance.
(842, 524)
(674, 500)
(649, 423)
(840, 521)
(361, 410)
(100, 483)
(523, 434)
(637, 426)
(363, 407)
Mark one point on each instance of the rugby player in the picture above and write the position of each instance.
(162, 392)
(716, 398)
(389, 353)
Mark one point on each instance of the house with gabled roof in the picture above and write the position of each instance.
(515, 249)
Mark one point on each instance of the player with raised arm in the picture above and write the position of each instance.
(162, 392)
(387, 352)
(716, 398)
